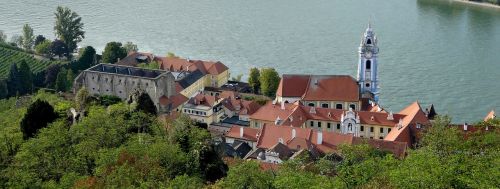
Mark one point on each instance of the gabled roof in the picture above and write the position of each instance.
(249, 134)
(180, 64)
(283, 151)
(414, 115)
(490, 115)
(270, 111)
(132, 58)
(292, 85)
(332, 87)
(319, 87)
(205, 100)
(178, 100)
(191, 78)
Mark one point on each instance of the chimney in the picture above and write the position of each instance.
(320, 137)
(241, 132)
(465, 126)
(294, 134)
(282, 105)
(390, 116)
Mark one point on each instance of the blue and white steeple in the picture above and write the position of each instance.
(368, 64)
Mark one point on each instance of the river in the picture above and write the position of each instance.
(432, 51)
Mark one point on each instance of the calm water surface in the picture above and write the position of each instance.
(442, 53)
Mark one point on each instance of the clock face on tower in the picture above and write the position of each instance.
(368, 54)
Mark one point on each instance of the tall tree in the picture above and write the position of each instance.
(269, 81)
(13, 81)
(39, 39)
(51, 75)
(112, 52)
(86, 60)
(39, 114)
(253, 80)
(68, 27)
(130, 47)
(4, 91)
(28, 37)
(58, 48)
(25, 78)
(69, 79)
(61, 81)
(145, 104)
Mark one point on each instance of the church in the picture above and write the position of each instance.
(341, 103)
(341, 92)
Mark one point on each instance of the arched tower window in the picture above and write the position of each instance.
(369, 41)
(368, 64)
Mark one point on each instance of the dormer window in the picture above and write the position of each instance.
(418, 126)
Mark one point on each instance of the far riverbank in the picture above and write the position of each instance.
(479, 4)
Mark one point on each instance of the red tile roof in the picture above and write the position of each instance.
(408, 132)
(296, 114)
(319, 87)
(205, 100)
(179, 64)
(178, 100)
(249, 134)
(292, 85)
(131, 58)
(329, 88)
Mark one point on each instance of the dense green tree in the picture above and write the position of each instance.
(69, 79)
(86, 60)
(25, 77)
(269, 80)
(43, 48)
(38, 115)
(59, 48)
(112, 52)
(13, 80)
(4, 91)
(247, 175)
(130, 47)
(82, 99)
(39, 39)
(68, 27)
(253, 80)
(145, 104)
(51, 75)
(61, 81)
(185, 182)
(28, 37)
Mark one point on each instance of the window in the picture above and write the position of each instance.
(319, 124)
(324, 105)
(419, 126)
(371, 137)
(381, 130)
(311, 124)
(369, 41)
(339, 106)
(371, 129)
(311, 104)
(353, 106)
(368, 64)
(380, 137)
(329, 125)
(362, 128)
(389, 130)
(367, 85)
(338, 126)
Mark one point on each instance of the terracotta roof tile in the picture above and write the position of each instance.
(248, 133)
(408, 132)
(292, 85)
(334, 87)
(178, 100)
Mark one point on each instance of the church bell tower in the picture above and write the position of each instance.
(368, 64)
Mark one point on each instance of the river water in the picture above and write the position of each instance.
(432, 51)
